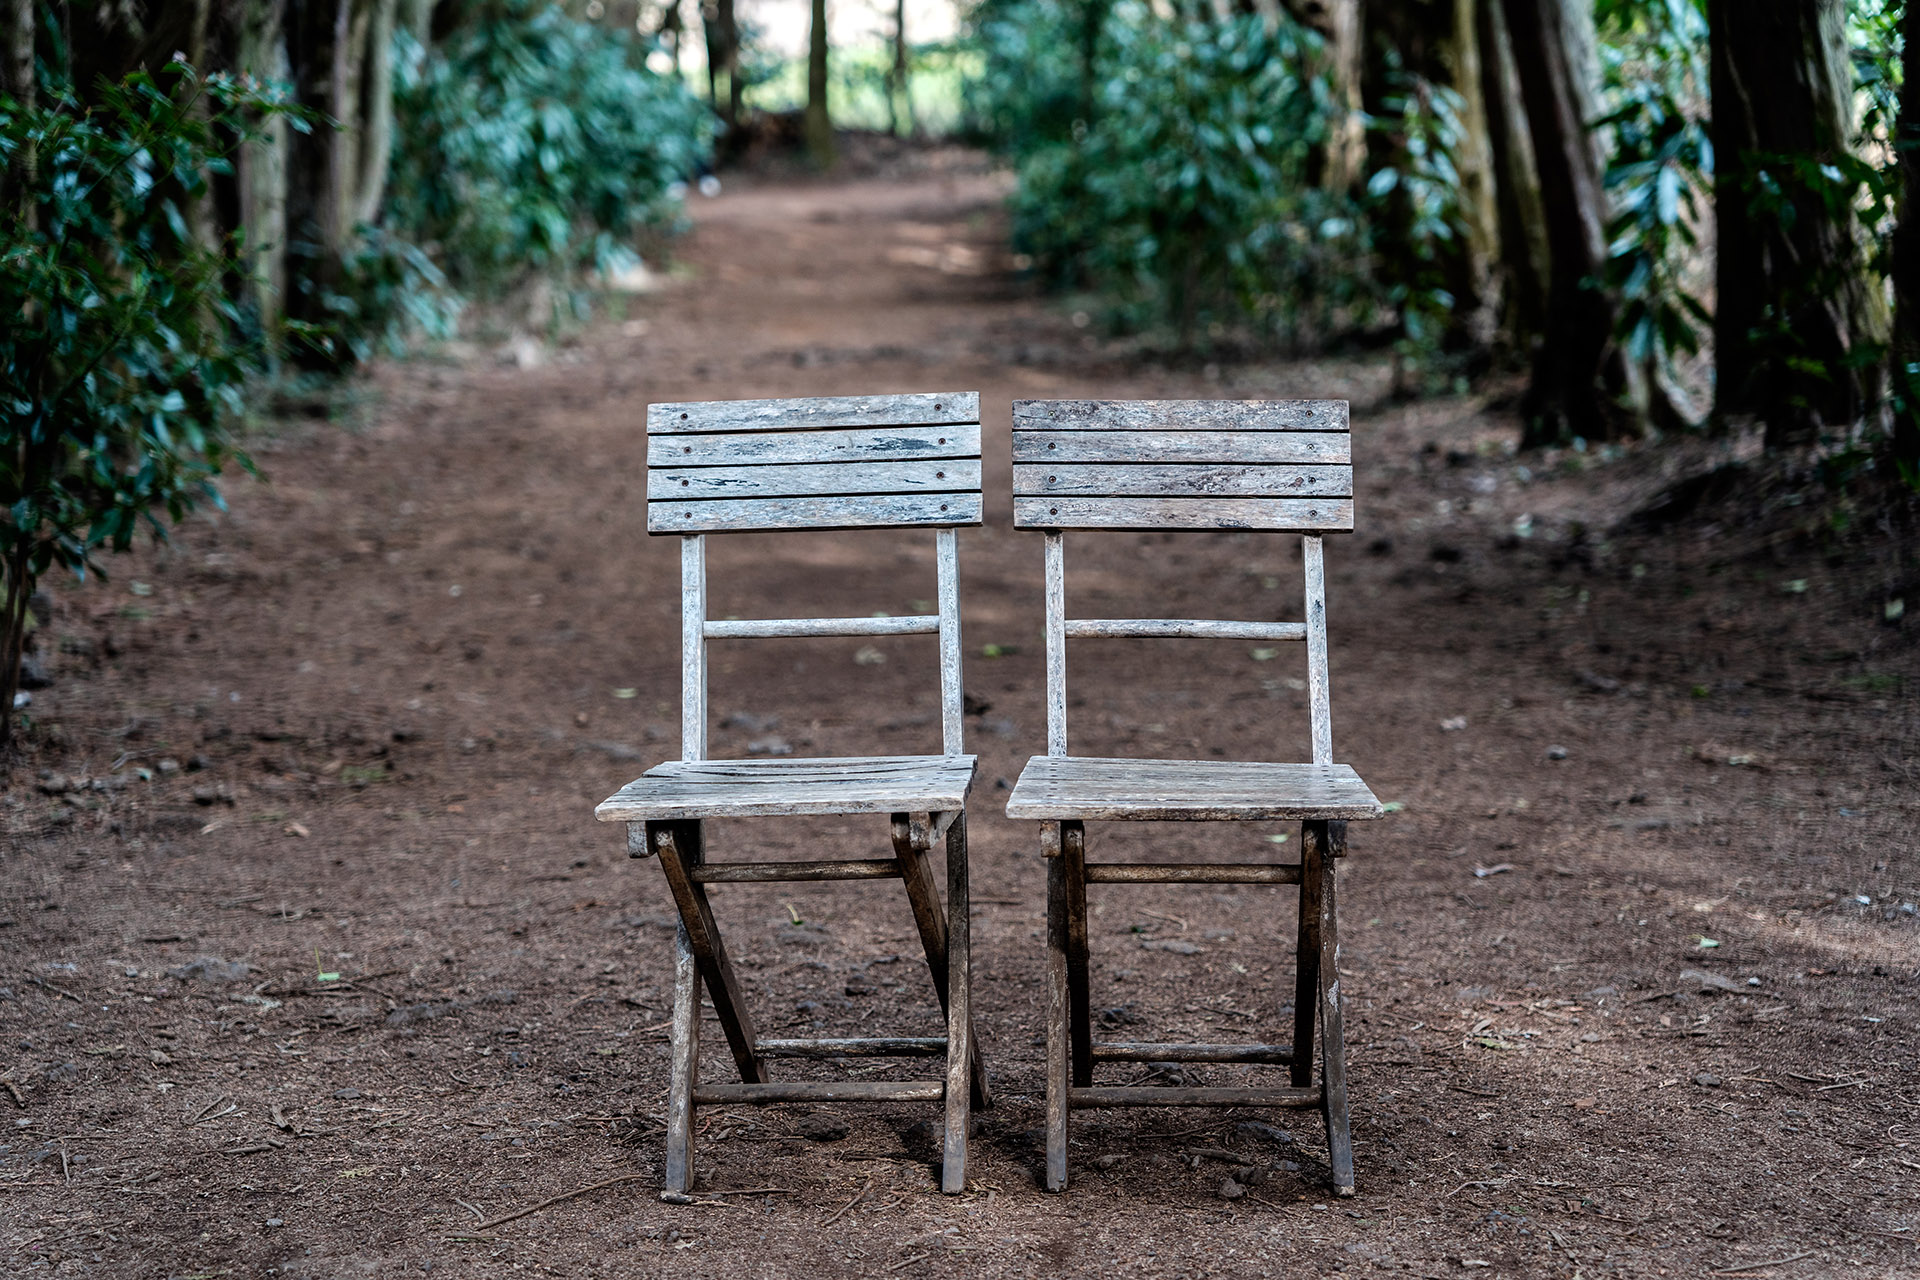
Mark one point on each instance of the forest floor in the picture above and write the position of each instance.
(1631, 968)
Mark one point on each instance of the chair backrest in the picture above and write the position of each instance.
(840, 462)
(1184, 465)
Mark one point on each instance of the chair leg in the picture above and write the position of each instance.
(679, 845)
(686, 1063)
(962, 1060)
(1319, 863)
(917, 873)
(1306, 973)
(1073, 855)
(1058, 1050)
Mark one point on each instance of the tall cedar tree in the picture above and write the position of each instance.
(1581, 384)
(1798, 327)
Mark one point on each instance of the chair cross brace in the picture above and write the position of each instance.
(701, 960)
(1072, 1051)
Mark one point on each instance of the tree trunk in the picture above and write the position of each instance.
(1580, 376)
(1436, 42)
(898, 89)
(316, 56)
(710, 32)
(17, 82)
(1524, 262)
(1338, 164)
(1795, 311)
(260, 169)
(376, 110)
(1093, 21)
(1906, 259)
(415, 17)
(730, 41)
(819, 124)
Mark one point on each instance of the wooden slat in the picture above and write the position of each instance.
(1319, 695)
(1169, 1096)
(849, 445)
(1180, 629)
(797, 480)
(1192, 873)
(812, 413)
(1056, 624)
(966, 1080)
(1059, 1037)
(1039, 479)
(767, 514)
(952, 687)
(679, 847)
(684, 1072)
(693, 648)
(1325, 515)
(1306, 972)
(812, 767)
(1333, 1038)
(1073, 856)
(779, 872)
(823, 1091)
(1083, 787)
(769, 628)
(743, 788)
(1140, 448)
(865, 1047)
(1178, 415)
(1143, 1051)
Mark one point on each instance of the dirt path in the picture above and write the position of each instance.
(378, 702)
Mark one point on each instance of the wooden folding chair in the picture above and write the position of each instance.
(1188, 465)
(842, 463)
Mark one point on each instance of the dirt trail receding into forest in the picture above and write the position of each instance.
(1631, 967)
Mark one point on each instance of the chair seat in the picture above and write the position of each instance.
(685, 789)
(1077, 788)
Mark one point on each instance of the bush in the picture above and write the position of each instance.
(1169, 164)
(122, 358)
(530, 141)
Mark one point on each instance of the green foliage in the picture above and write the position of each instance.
(530, 141)
(121, 356)
(1419, 197)
(1660, 172)
(1171, 165)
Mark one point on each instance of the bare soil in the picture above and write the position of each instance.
(358, 726)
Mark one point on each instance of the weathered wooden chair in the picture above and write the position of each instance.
(1188, 465)
(842, 463)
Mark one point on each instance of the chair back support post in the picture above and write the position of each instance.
(693, 647)
(952, 693)
(1056, 644)
(1319, 710)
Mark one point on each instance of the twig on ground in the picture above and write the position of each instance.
(59, 991)
(907, 1262)
(848, 1206)
(713, 1198)
(1756, 1266)
(212, 1111)
(565, 1195)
